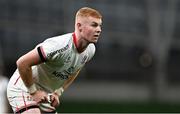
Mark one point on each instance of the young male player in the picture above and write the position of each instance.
(46, 71)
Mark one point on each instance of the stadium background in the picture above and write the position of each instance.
(136, 66)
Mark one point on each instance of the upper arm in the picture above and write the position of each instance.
(31, 58)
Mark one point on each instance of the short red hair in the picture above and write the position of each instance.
(88, 12)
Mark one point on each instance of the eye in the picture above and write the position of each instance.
(94, 24)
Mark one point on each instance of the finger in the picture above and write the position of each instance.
(54, 103)
(52, 98)
(43, 99)
(46, 99)
(38, 100)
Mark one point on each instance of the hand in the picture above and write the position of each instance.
(54, 98)
(40, 96)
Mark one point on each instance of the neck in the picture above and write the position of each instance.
(80, 43)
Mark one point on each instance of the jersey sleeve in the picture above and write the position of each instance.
(47, 50)
(91, 51)
(41, 53)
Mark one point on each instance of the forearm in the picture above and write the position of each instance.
(24, 64)
(25, 72)
(26, 75)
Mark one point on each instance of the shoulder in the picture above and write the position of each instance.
(91, 48)
(59, 41)
(91, 51)
(55, 46)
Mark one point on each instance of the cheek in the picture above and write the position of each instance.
(89, 31)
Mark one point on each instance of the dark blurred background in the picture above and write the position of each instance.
(137, 61)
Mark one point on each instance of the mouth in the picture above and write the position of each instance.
(96, 36)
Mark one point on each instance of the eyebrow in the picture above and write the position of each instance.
(96, 23)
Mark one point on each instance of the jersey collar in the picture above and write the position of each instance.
(74, 39)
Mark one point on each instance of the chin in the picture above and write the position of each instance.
(94, 41)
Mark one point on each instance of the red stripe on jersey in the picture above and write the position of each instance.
(24, 101)
(75, 39)
(28, 106)
(16, 80)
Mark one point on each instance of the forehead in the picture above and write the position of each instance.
(91, 20)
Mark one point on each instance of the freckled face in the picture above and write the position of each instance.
(91, 29)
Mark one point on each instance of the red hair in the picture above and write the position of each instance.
(88, 12)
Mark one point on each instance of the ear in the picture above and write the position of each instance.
(79, 26)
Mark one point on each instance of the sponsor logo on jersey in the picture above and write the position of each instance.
(58, 51)
(64, 75)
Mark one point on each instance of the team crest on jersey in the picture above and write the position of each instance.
(68, 59)
(84, 59)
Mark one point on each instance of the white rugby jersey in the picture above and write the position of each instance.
(61, 59)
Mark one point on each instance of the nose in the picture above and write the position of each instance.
(99, 29)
